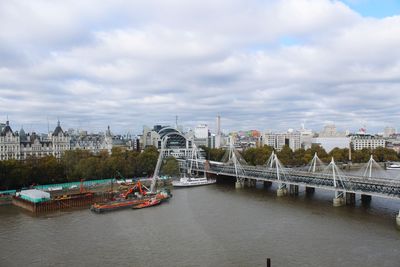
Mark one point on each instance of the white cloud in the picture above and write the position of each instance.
(260, 64)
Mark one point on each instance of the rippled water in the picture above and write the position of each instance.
(208, 226)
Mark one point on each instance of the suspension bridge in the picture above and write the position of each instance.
(288, 180)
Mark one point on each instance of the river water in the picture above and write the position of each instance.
(208, 226)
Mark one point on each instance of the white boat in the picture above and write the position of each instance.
(393, 166)
(191, 181)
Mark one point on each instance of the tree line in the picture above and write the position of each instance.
(75, 165)
(301, 157)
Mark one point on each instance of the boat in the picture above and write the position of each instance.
(115, 205)
(192, 181)
(147, 203)
(393, 166)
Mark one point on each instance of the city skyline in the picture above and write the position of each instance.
(185, 128)
(260, 65)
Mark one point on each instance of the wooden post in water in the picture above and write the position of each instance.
(268, 262)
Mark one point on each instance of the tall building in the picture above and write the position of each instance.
(201, 131)
(218, 135)
(201, 135)
(278, 140)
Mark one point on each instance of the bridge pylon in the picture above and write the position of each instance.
(236, 159)
(338, 183)
(274, 164)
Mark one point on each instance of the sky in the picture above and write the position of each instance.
(259, 64)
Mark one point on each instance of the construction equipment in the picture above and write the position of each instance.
(137, 187)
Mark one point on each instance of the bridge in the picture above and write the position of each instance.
(344, 186)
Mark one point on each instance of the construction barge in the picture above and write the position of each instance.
(134, 196)
(64, 202)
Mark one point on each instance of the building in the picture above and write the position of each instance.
(218, 137)
(389, 131)
(178, 144)
(9, 143)
(278, 140)
(201, 135)
(201, 131)
(60, 141)
(330, 131)
(306, 137)
(20, 146)
(360, 141)
(329, 143)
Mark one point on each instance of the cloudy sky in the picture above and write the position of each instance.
(260, 64)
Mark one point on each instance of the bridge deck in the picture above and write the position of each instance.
(382, 187)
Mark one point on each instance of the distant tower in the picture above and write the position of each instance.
(218, 136)
(218, 125)
(176, 122)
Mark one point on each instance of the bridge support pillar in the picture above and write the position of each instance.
(293, 189)
(267, 184)
(350, 199)
(310, 190)
(338, 201)
(366, 199)
(398, 220)
(239, 185)
(251, 183)
(282, 191)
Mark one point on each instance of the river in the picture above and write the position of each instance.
(208, 226)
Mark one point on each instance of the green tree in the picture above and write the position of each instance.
(385, 154)
(286, 155)
(309, 154)
(299, 157)
(170, 167)
(257, 156)
(147, 161)
(360, 156)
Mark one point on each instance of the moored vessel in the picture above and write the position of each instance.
(147, 203)
(393, 166)
(193, 181)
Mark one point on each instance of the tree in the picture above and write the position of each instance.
(299, 157)
(309, 154)
(257, 156)
(286, 155)
(147, 161)
(384, 154)
(338, 155)
(170, 167)
(360, 156)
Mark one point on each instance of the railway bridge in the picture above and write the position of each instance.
(344, 186)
